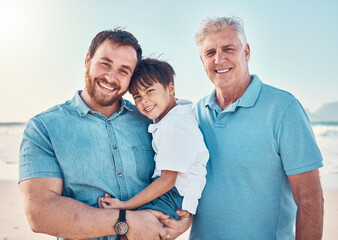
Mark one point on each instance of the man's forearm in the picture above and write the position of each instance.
(49, 212)
(65, 217)
(309, 224)
(308, 195)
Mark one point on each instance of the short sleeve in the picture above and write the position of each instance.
(176, 150)
(297, 144)
(37, 157)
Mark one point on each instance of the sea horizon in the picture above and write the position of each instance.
(326, 134)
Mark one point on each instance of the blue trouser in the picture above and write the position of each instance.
(168, 203)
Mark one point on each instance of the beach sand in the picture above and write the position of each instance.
(14, 226)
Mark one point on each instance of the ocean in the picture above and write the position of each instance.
(326, 135)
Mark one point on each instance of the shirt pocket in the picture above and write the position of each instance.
(144, 158)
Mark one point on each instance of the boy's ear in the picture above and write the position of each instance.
(171, 88)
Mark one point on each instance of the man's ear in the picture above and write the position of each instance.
(171, 88)
(87, 60)
(247, 52)
(202, 60)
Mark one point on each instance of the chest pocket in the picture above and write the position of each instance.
(144, 159)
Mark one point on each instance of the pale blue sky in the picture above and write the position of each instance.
(43, 44)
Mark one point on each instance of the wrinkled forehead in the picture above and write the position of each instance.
(222, 37)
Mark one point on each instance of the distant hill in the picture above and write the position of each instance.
(326, 113)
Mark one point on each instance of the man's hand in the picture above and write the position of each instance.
(176, 227)
(145, 225)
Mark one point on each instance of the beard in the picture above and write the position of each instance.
(99, 98)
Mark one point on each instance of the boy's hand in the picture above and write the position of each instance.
(108, 202)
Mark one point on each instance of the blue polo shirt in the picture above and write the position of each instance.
(92, 154)
(254, 145)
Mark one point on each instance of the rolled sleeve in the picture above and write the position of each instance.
(37, 157)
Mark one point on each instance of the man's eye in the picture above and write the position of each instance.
(229, 50)
(105, 64)
(209, 54)
(124, 72)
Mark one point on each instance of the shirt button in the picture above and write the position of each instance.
(114, 147)
(120, 175)
(108, 121)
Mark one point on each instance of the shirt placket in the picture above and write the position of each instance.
(117, 160)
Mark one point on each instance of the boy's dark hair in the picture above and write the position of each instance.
(150, 71)
(119, 36)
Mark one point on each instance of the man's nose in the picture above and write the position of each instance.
(111, 76)
(219, 57)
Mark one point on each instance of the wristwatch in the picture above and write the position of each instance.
(121, 227)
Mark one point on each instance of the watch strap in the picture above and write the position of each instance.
(122, 215)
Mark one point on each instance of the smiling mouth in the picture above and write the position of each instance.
(148, 109)
(105, 86)
(223, 71)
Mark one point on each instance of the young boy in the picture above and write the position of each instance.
(180, 153)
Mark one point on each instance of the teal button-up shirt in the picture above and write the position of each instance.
(91, 153)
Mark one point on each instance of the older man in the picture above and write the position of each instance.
(263, 168)
(94, 144)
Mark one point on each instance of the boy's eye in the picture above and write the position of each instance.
(136, 97)
(150, 90)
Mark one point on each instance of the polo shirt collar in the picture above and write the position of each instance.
(251, 94)
(82, 109)
(248, 99)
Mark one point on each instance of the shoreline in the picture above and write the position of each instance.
(14, 226)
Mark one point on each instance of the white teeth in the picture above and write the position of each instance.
(149, 108)
(223, 71)
(106, 87)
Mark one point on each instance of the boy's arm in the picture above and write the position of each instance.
(157, 188)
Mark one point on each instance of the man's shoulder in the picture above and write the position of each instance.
(276, 97)
(274, 92)
(277, 101)
(56, 112)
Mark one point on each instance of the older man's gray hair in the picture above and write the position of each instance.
(213, 25)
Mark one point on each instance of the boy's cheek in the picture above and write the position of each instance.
(139, 107)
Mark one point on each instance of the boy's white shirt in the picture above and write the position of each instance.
(179, 146)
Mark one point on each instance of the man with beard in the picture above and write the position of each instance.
(94, 144)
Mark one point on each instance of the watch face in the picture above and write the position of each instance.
(121, 228)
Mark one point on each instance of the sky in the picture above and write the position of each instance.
(43, 44)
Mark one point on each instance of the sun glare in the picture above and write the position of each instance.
(9, 15)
